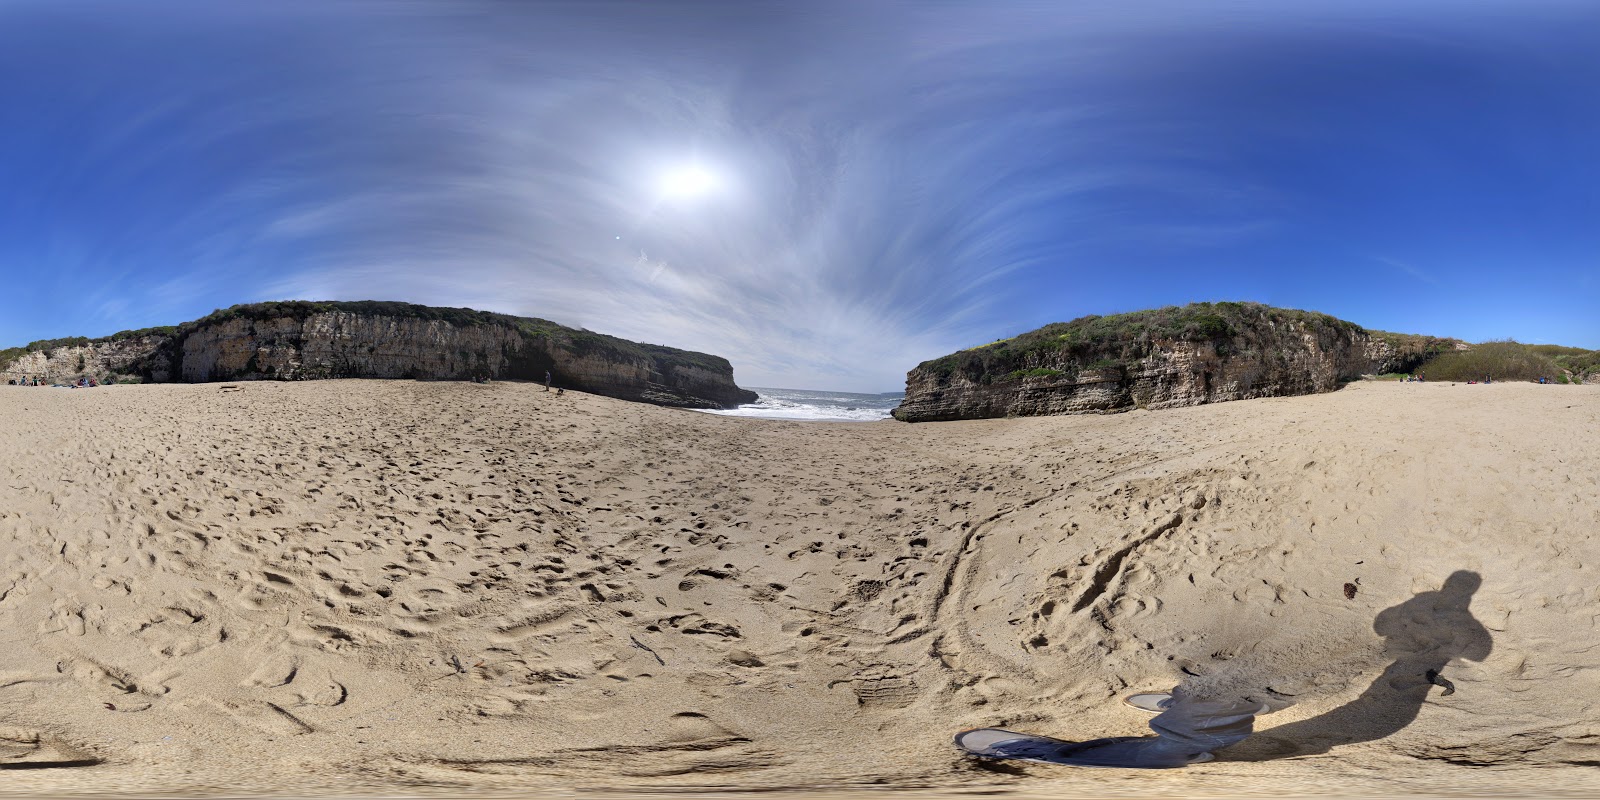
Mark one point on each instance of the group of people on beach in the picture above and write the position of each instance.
(81, 383)
(481, 378)
(1540, 379)
(1486, 379)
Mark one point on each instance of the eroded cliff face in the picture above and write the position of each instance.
(341, 344)
(1276, 357)
(344, 341)
(123, 359)
(345, 345)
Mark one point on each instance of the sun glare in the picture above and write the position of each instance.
(688, 181)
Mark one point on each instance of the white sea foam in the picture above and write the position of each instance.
(805, 404)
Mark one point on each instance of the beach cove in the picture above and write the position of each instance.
(364, 586)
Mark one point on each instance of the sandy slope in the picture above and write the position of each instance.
(377, 586)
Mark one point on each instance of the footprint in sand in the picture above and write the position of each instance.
(325, 692)
(269, 718)
(24, 748)
(276, 671)
(885, 689)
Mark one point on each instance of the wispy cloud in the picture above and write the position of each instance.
(876, 195)
(894, 182)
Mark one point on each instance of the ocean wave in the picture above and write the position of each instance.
(816, 406)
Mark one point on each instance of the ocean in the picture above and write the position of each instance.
(807, 404)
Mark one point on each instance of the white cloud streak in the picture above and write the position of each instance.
(887, 172)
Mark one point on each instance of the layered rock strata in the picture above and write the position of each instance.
(303, 341)
(110, 359)
(1202, 353)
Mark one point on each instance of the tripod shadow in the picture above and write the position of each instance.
(1422, 634)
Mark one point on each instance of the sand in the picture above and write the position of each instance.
(378, 587)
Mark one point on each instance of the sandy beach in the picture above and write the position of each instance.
(394, 587)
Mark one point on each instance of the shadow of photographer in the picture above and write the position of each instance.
(1423, 635)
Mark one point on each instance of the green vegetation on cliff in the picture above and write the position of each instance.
(1580, 362)
(1512, 361)
(11, 354)
(1096, 342)
(1416, 348)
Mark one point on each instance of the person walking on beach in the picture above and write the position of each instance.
(547, 380)
(1422, 634)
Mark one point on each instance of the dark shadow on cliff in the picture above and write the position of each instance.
(1422, 635)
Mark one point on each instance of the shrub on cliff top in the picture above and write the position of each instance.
(141, 333)
(303, 309)
(1581, 362)
(1502, 360)
(51, 344)
(1411, 345)
(1122, 338)
(11, 354)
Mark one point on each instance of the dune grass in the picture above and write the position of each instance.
(1506, 360)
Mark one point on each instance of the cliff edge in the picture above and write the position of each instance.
(300, 340)
(1161, 358)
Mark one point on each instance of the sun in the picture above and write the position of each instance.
(690, 180)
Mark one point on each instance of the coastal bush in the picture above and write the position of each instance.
(11, 354)
(1101, 342)
(1556, 351)
(1507, 360)
(303, 309)
(1580, 362)
(1411, 345)
(159, 330)
(51, 344)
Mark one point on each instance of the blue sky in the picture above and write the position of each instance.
(870, 184)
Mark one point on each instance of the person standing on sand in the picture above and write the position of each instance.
(547, 380)
(1422, 634)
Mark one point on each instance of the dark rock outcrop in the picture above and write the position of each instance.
(305, 340)
(1164, 358)
(108, 359)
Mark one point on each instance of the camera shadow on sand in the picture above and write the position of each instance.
(1422, 635)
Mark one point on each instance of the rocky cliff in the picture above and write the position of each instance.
(107, 360)
(304, 340)
(1164, 358)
